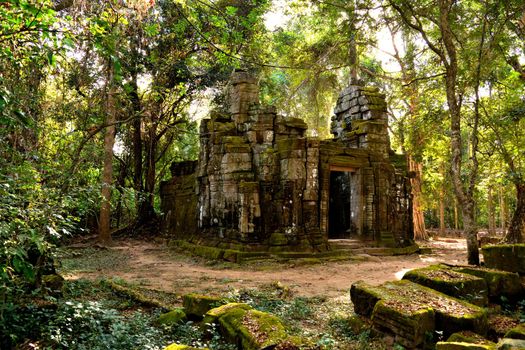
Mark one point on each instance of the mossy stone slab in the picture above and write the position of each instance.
(182, 347)
(462, 346)
(459, 285)
(172, 317)
(507, 257)
(213, 315)
(364, 297)
(452, 314)
(517, 332)
(511, 344)
(410, 322)
(499, 283)
(252, 329)
(469, 337)
(198, 305)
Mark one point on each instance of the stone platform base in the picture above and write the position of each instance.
(334, 253)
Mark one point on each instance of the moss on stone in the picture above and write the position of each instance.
(253, 329)
(198, 305)
(173, 317)
(230, 255)
(182, 347)
(53, 282)
(460, 285)
(364, 297)
(511, 344)
(410, 322)
(452, 315)
(208, 252)
(213, 314)
(507, 257)
(517, 332)
(250, 328)
(462, 346)
(278, 239)
(499, 283)
(469, 337)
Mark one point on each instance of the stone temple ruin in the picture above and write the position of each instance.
(261, 185)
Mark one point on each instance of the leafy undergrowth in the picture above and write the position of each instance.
(324, 323)
(90, 315)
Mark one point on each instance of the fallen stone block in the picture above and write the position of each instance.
(452, 315)
(462, 346)
(197, 305)
(182, 347)
(511, 344)
(507, 257)
(499, 283)
(410, 322)
(459, 285)
(517, 332)
(251, 329)
(364, 297)
(173, 317)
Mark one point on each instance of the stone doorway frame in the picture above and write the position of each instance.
(356, 197)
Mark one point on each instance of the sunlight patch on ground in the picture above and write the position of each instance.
(399, 274)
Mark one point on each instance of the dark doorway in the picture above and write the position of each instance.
(339, 222)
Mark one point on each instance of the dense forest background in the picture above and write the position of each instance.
(98, 98)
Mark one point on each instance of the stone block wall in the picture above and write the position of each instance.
(261, 184)
(179, 200)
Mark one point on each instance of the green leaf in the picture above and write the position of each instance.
(51, 58)
(3, 102)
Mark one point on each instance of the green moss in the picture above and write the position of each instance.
(173, 317)
(410, 322)
(469, 337)
(462, 346)
(364, 297)
(452, 315)
(182, 347)
(208, 252)
(230, 255)
(499, 283)
(278, 239)
(53, 282)
(517, 332)
(253, 329)
(441, 278)
(507, 257)
(198, 305)
(213, 314)
(511, 344)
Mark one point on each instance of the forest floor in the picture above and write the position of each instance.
(152, 264)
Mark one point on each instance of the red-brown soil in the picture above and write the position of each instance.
(152, 264)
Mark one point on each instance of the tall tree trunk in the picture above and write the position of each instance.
(516, 232)
(464, 195)
(137, 142)
(502, 211)
(491, 212)
(353, 57)
(442, 211)
(104, 229)
(417, 211)
(147, 211)
(456, 216)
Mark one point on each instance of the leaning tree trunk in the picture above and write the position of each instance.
(516, 232)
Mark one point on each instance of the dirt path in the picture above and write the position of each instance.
(153, 265)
